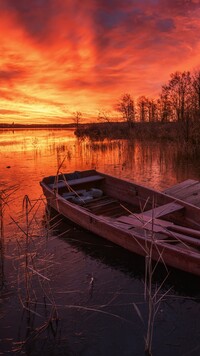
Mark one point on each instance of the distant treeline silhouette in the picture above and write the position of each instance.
(179, 101)
(35, 126)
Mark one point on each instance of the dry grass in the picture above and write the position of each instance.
(34, 266)
(5, 199)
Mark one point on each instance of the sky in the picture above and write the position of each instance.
(63, 56)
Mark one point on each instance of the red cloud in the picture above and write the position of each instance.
(82, 55)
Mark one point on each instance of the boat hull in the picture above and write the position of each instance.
(141, 242)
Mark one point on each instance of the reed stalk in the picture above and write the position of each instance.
(26, 203)
(152, 295)
(2, 277)
(33, 265)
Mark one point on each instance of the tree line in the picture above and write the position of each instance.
(179, 100)
(178, 103)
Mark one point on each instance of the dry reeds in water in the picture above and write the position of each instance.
(34, 267)
(5, 195)
(152, 294)
(1, 243)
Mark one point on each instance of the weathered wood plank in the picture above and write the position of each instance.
(163, 210)
(193, 190)
(185, 230)
(98, 202)
(188, 191)
(183, 238)
(72, 182)
(180, 186)
(110, 210)
(146, 218)
(167, 231)
(141, 223)
(102, 204)
(194, 199)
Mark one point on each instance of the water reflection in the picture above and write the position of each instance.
(26, 156)
(94, 282)
(35, 153)
(116, 257)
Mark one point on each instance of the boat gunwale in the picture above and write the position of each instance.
(135, 185)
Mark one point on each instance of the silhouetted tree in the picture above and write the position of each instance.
(127, 108)
(77, 118)
(152, 110)
(178, 94)
(164, 108)
(196, 88)
(142, 108)
(147, 109)
(103, 116)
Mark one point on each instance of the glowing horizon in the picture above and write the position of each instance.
(70, 55)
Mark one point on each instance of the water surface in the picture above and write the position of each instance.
(86, 295)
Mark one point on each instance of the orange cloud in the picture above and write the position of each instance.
(82, 55)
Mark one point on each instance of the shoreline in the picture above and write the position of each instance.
(36, 126)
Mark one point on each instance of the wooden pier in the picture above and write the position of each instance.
(188, 191)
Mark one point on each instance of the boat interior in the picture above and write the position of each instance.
(108, 196)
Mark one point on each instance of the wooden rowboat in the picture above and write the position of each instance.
(139, 219)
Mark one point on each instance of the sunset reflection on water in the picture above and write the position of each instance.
(26, 156)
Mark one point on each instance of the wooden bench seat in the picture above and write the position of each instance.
(73, 182)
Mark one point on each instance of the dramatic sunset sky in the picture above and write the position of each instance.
(61, 56)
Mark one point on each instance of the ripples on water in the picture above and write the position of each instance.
(86, 295)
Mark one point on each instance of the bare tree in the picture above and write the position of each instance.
(103, 116)
(153, 110)
(143, 111)
(196, 87)
(77, 116)
(178, 94)
(164, 107)
(127, 108)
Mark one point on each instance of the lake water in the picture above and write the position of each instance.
(68, 292)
